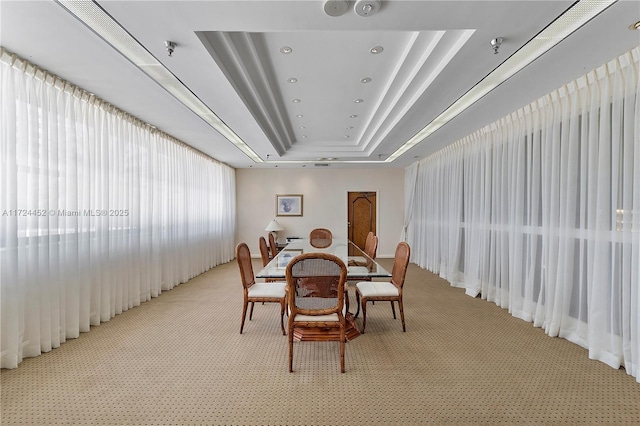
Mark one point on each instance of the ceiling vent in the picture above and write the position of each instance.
(321, 164)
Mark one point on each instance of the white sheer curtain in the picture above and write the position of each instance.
(410, 179)
(98, 212)
(540, 213)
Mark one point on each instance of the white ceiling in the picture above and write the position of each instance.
(229, 55)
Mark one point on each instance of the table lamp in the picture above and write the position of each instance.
(274, 227)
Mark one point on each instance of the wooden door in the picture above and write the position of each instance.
(361, 218)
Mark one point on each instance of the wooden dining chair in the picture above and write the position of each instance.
(316, 298)
(272, 245)
(386, 291)
(264, 255)
(362, 264)
(371, 245)
(264, 251)
(370, 249)
(268, 292)
(320, 237)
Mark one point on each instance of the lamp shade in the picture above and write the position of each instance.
(274, 226)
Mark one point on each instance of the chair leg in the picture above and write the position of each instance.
(364, 314)
(342, 339)
(393, 309)
(251, 312)
(244, 314)
(404, 329)
(282, 317)
(357, 304)
(290, 330)
(346, 300)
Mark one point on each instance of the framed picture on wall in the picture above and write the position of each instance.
(289, 205)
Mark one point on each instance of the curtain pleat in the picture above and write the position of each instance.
(539, 213)
(98, 211)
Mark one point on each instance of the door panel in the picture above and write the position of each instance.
(361, 219)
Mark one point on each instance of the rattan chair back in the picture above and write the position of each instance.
(320, 237)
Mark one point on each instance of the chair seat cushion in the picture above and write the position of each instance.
(274, 289)
(374, 289)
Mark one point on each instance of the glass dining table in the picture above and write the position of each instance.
(359, 267)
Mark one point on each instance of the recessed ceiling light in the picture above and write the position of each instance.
(358, 101)
(377, 49)
(635, 26)
(292, 80)
(286, 50)
(349, 127)
(299, 115)
(346, 136)
(296, 101)
(366, 7)
(353, 116)
(365, 80)
(304, 136)
(301, 127)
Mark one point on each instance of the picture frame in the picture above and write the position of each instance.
(289, 205)
(285, 256)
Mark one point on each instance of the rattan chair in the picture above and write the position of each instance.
(320, 237)
(264, 251)
(264, 255)
(272, 246)
(271, 292)
(371, 245)
(362, 264)
(386, 291)
(316, 297)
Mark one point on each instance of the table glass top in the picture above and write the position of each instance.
(358, 263)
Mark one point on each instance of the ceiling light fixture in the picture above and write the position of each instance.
(358, 101)
(96, 19)
(635, 26)
(292, 80)
(377, 49)
(572, 19)
(299, 115)
(170, 46)
(365, 80)
(286, 50)
(353, 116)
(296, 101)
(366, 7)
(496, 43)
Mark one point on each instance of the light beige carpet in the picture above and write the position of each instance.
(180, 360)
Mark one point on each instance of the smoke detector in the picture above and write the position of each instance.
(336, 7)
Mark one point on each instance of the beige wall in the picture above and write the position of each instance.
(324, 202)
